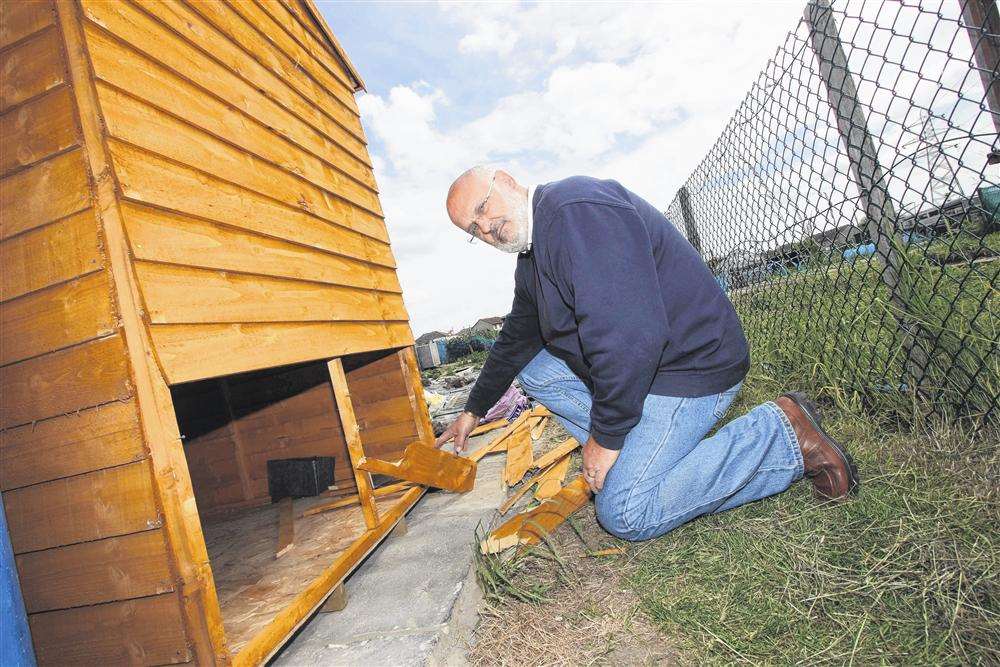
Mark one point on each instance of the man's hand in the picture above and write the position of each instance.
(459, 430)
(597, 461)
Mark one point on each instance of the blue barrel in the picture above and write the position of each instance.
(15, 639)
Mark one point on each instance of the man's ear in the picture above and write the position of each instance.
(506, 179)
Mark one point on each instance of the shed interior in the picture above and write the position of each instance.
(231, 427)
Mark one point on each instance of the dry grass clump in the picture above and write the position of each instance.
(559, 604)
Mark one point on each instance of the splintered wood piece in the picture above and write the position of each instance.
(347, 501)
(529, 527)
(499, 443)
(539, 427)
(286, 527)
(519, 457)
(540, 411)
(517, 495)
(486, 428)
(494, 447)
(527, 486)
(428, 466)
(613, 551)
(550, 481)
(550, 457)
(337, 600)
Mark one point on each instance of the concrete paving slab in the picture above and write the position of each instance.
(402, 600)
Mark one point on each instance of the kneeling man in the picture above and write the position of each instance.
(619, 328)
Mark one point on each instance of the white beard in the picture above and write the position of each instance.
(519, 222)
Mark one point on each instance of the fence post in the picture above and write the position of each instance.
(983, 25)
(690, 223)
(842, 94)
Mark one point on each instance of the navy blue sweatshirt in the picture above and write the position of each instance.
(612, 288)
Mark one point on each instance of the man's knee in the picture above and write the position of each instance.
(531, 384)
(614, 516)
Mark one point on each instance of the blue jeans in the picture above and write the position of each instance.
(668, 472)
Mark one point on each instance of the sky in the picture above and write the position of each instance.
(637, 92)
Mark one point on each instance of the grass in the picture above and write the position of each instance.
(908, 572)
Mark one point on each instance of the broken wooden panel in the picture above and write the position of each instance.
(531, 526)
(429, 466)
(502, 439)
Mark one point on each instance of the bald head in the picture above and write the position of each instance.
(490, 205)
(467, 192)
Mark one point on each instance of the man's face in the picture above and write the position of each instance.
(500, 218)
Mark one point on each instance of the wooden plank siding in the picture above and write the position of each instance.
(143, 631)
(248, 197)
(65, 381)
(158, 235)
(116, 568)
(90, 439)
(235, 297)
(382, 407)
(194, 352)
(31, 67)
(48, 191)
(91, 506)
(243, 23)
(194, 50)
(38, 129)
(21, 19)
(56, 318)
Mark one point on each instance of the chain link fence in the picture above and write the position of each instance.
(850, 207)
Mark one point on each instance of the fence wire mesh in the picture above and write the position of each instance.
(850, 207)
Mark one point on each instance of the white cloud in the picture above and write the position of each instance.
(635, 92)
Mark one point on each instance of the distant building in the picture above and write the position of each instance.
(486, 324)
(429, 336)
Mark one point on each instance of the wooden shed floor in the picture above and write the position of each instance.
(252, 585)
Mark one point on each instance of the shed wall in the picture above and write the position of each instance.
(248, 195)
(74, 470)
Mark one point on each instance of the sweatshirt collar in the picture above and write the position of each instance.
(531, 216)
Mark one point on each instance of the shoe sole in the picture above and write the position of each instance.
(812, 414)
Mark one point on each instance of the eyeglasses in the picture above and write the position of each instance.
(479, 210)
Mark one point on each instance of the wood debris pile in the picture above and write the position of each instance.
(557, 500)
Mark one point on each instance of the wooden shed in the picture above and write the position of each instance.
(196, 279)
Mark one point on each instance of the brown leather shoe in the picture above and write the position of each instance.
(826, 462)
